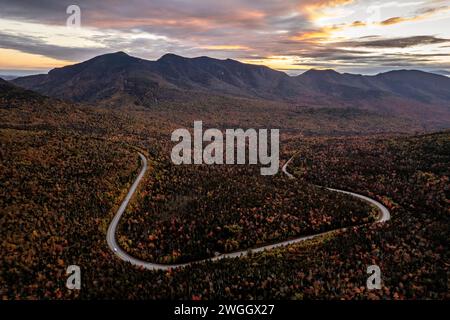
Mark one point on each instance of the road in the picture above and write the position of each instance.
(120, 253)
(384, 212)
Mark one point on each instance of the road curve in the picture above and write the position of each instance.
(384, 212)
(119, 252)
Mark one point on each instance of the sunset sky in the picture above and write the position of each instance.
(349, 36)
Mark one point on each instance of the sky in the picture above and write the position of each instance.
(356, 36)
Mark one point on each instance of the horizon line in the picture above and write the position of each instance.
(17, 73)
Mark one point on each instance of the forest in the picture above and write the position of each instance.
(65, 168)
(190, 212)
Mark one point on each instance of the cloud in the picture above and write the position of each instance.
(358, 24)
(263, 30)
(395, 20)
(35, 45)
(396, 42)
(314, 8)
(419, 15)
(226, 47)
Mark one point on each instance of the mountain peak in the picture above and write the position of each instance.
(102, 63)
(407, 72)
(170, 56)
(412, 75)
(120, 75)
(119, 55)
(115, 54)
(402, 71)
(321, 71)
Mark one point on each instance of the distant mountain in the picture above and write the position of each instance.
(410, 84)
(118, 79)
(12, 95)
(223, 76)
(8, 77)
(4, 83)
(108, 76)
(24, 109)
(442, 72)
(97, 79)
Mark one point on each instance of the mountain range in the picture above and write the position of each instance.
(118, 78)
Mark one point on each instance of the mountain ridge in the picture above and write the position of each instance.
(118, 78)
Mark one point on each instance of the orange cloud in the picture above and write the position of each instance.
(394, 20)
(425, 14)
(244, 17)
(249, 14)
(324, 3)
(278, 62)
(327, 31)
(358, 24)
(313, 9)
(319, 34)
(309, 35)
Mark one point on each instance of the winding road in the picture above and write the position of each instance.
(119, 252)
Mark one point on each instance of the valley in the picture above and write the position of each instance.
(69, 155)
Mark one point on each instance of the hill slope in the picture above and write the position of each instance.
(118, 79)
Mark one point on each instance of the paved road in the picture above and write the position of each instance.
(112, 243)
(384, 212)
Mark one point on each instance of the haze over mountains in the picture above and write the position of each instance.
(118, 78)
